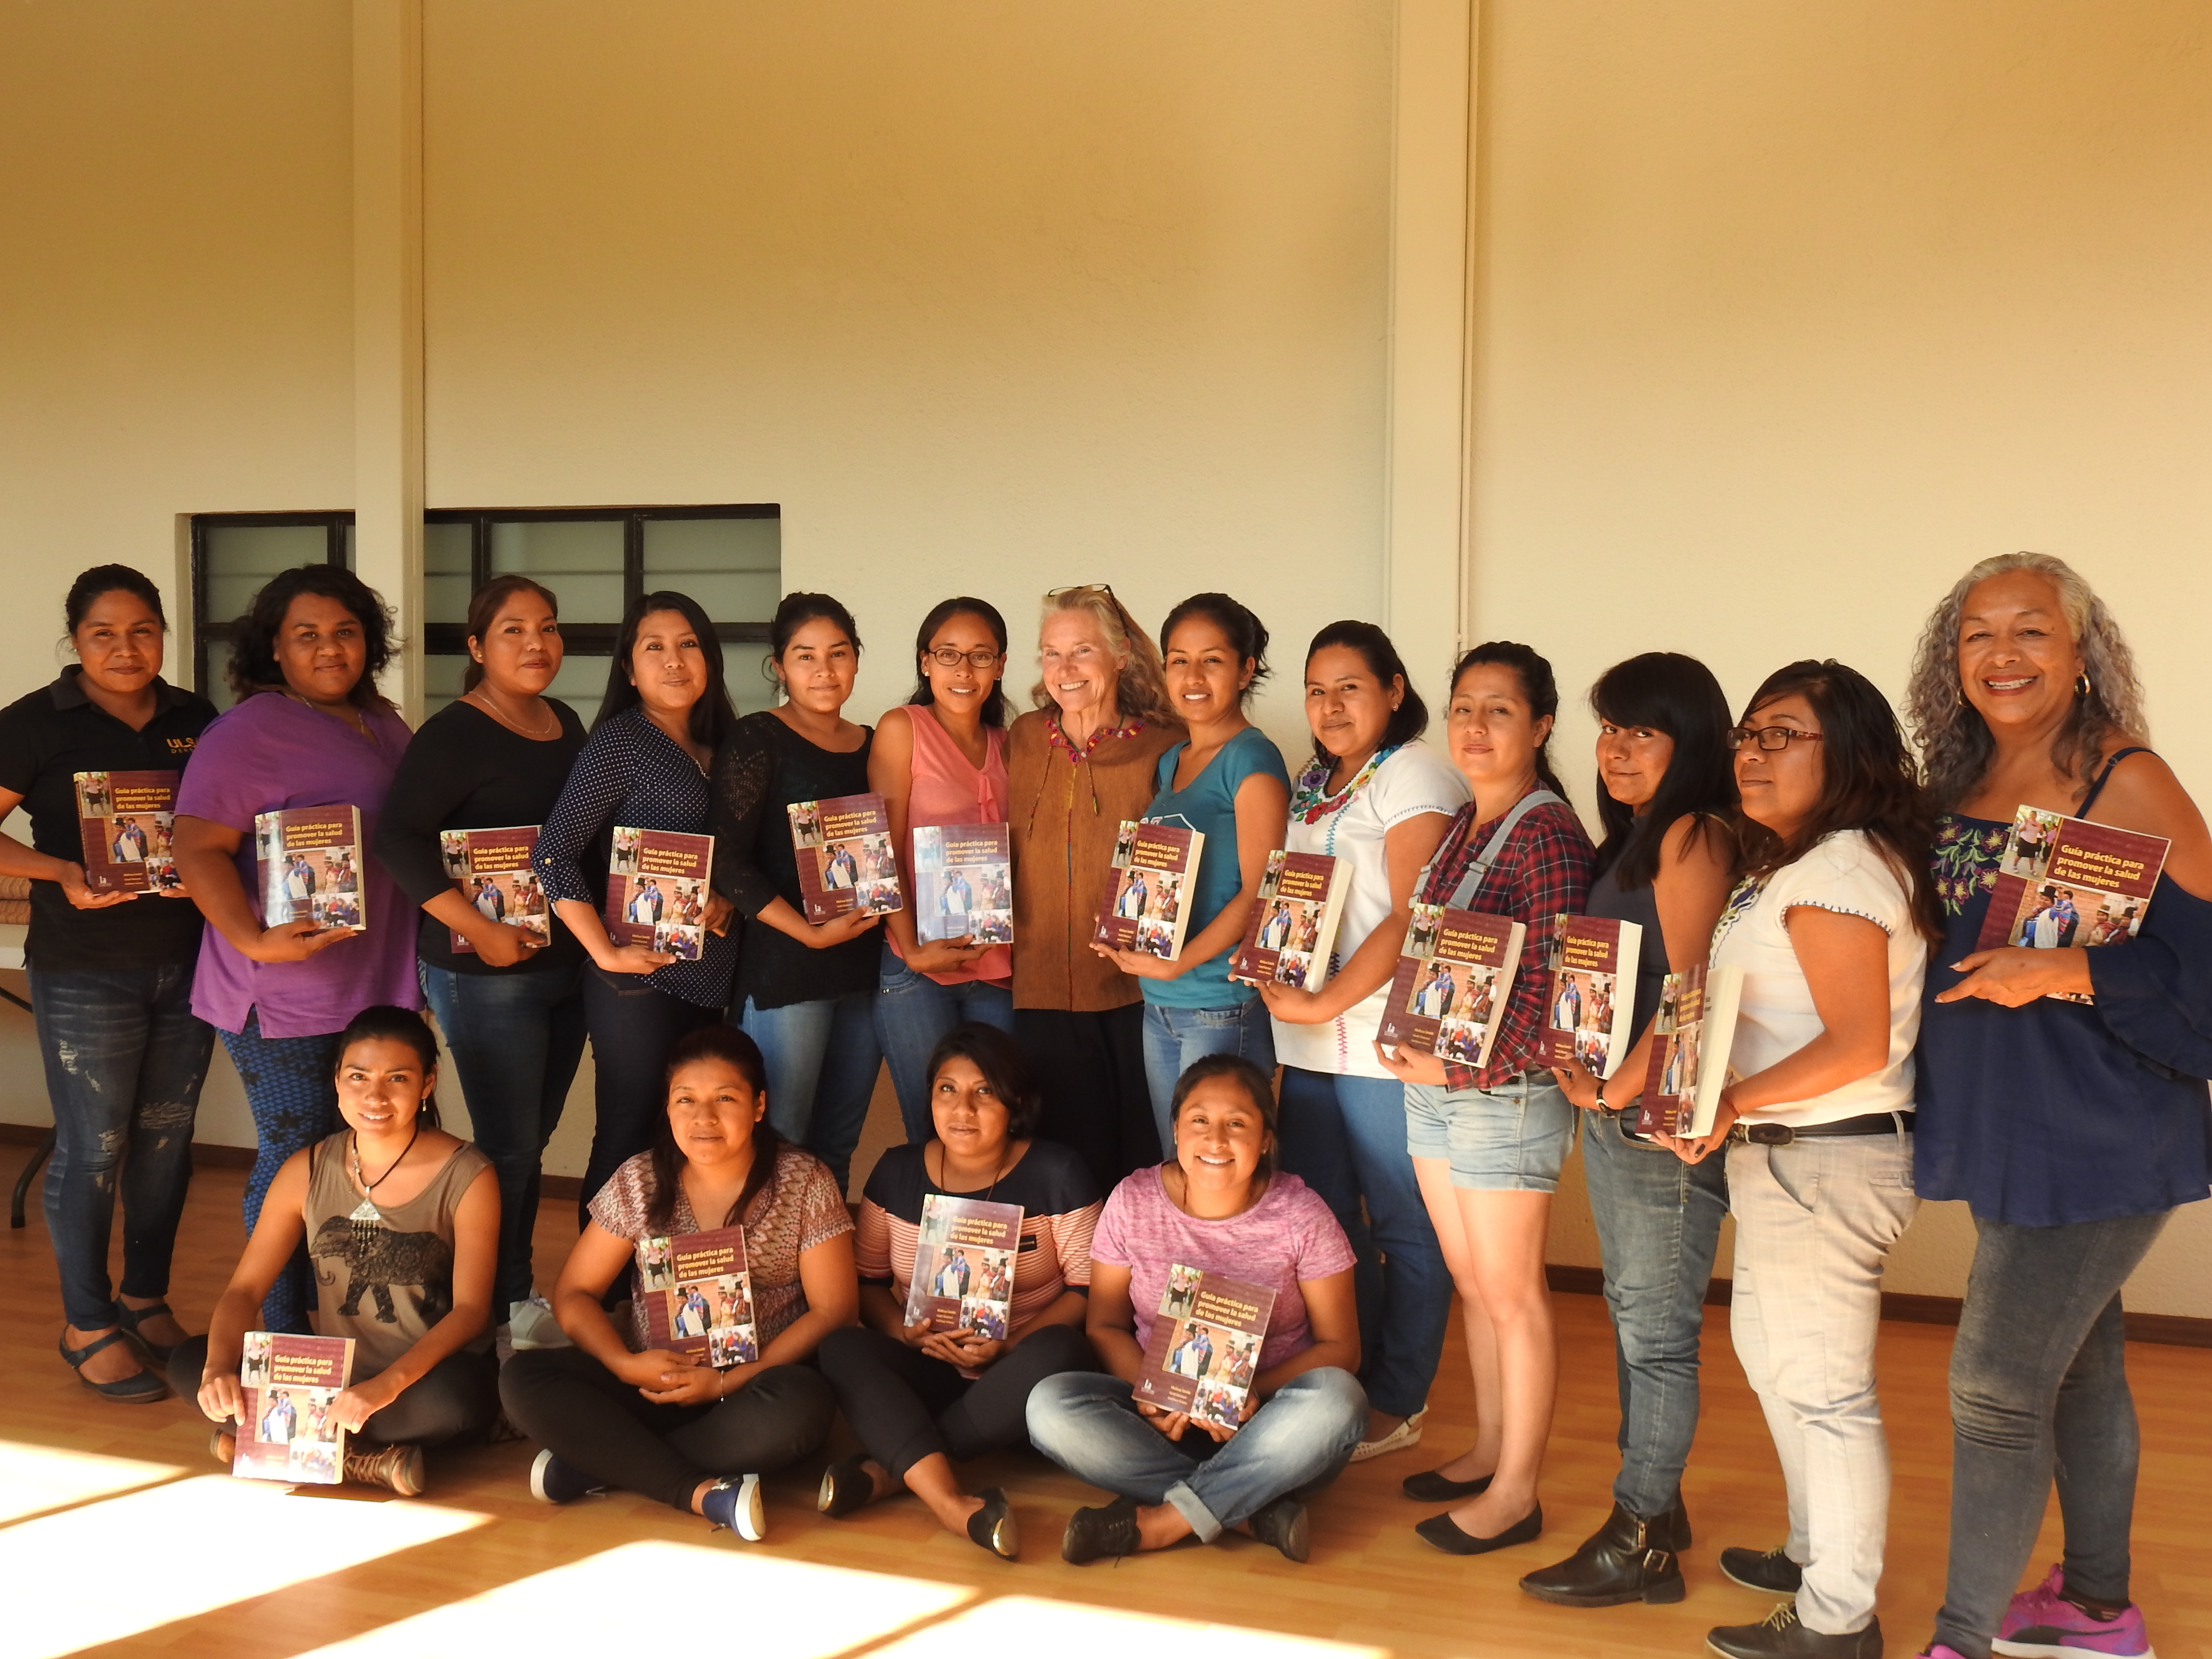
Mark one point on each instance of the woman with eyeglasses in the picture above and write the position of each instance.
(1830, 927)
(1078, 764)
(2073, 1129)
(940, 758)
(807, 990)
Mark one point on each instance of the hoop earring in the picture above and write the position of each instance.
(2081, 686)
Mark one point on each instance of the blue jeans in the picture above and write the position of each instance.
(1300, 1439)
(632, 1026)
(291, 1088)
(822, 1064)
(1176, 1036)
(2039, 1390)
(1658, 1224)
(1344, 1137)
(912, 1012)
(125, 1057)
(516, 1040)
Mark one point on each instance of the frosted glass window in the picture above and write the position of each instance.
(448, 574)
(732, 566)
(441, 681)
(238, 559)
(580, 560)
(745, 670)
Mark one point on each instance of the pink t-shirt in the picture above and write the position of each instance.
(1288, 1236)
(948, 789)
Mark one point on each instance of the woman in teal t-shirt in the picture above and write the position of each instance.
(1229, 783)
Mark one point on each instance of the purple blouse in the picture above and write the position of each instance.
(271, 754)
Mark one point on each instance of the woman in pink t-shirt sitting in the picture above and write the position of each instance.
(1220, 1207)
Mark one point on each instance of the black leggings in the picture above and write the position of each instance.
(457, 1396)
(905, 1405)
(592, 1420)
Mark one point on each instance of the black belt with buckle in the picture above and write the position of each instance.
(1780, 1134)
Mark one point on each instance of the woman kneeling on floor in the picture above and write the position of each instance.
(401, 1221)
(611, 1412)
(920, 1397)
(1221, 1208)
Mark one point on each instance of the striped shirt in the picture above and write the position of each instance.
(1060, 1207)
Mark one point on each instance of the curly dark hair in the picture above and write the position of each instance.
(253, 666)
(1004, 1067)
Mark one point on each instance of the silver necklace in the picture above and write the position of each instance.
(366, 1216)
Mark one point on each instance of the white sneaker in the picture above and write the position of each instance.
(1407, 1433)
(530, 1324)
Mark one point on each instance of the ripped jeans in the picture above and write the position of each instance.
(125, 1056)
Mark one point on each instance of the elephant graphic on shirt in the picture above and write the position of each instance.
(376, 1259)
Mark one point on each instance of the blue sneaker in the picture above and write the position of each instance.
(552, 1481)
(736, 1503)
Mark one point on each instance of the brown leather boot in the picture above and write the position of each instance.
(395, 1469)
(1626, 1559)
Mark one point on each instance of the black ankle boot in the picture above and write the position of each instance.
(1624, 1561)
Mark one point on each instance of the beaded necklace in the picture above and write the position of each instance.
(1310, 803)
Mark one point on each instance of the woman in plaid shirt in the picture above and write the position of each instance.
(1487, 1144)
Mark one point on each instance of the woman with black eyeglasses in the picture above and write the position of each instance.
(1830, 928)
(940, 758)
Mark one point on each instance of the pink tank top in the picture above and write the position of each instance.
(948, 789)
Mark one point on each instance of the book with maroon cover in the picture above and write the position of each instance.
(307, 864)
(124, 820)
(964, 1266)
(2066, 881)
(963, 881)
(1590, 1012)
(1145, 906)
(699, 1296)
(657, 889)
(1690, 1037)
(1455, 972)
(491, 869)
(845, 857)
(1292, 928)
(1206, 1343)
(287, 1430)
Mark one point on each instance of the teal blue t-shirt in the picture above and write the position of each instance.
(1209, 806)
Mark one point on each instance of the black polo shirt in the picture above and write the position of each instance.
(46, 741)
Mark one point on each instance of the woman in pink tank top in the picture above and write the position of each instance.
(940, 761)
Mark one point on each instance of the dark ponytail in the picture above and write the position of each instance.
(733, 1048)
(111, 579)
(381, 1022)
(1538, 685)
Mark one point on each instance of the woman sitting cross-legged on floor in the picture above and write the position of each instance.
(611, 1412)
(401, 1221)
(920, 1397)
(1221, 1207)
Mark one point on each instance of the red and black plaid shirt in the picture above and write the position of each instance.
(1543, 869)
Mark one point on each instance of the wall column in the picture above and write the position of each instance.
(1426, 455)
(388, 322)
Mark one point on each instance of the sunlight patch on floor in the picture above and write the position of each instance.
(700, 1597)
(131, 1564)
(36, 1478)
(1070, 1630)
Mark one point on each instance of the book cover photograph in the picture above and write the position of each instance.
(1143, 908)
(1205, 1346)
(963, 880)
(1691, 1036)
(1455, 972)
(657, 889)
(1292, 928)
(308, 860)
(2064, 881)
(1590, 998)
(490, 868)
(287, 1430)
(699, 1296)
(123, 819)
(844, 856)
(964, 1266)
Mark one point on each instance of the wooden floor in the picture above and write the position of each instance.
(166, 1557)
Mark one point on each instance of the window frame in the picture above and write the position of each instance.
(207, 630)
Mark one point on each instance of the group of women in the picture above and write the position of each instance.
(1147, 1114)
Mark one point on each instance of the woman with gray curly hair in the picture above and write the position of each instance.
(2061, 1093)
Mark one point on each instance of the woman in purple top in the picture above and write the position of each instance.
(1222, 1208)
(310, 729)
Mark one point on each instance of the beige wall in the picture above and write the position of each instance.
(1789, 313)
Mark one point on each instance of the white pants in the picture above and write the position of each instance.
(1816, 1220)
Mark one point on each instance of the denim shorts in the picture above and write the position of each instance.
(1511, 1139)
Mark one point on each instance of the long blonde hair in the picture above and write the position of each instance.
(1140, 692)
(1956, 744)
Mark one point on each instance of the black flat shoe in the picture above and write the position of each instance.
(1770, 1570)
(1283, 1523)
(131, 1318)
(846, 1486)
(1446, 1534)
(1626, 1559)
(1108, 1531)
(139, 1389)
(1434, 1486)
(993, 1527)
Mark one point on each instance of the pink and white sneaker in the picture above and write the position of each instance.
(2041, 1624)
